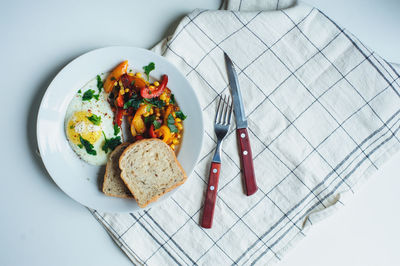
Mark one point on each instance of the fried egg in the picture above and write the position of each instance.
(88, 121)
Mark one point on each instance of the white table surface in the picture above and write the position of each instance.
(40, 225)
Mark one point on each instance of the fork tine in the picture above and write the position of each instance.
(217, 112)
(221, 111)
(224, 111)
(230, 112)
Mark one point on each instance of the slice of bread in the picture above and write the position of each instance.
(150, 169)
(113, 184)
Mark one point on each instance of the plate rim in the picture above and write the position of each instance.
(41, 145)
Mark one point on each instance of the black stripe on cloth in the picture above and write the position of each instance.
(175, 53)
(310, 106)
(217, 45)
(345, 159)
(154, 238)
(255, 59)
(104, 221)
(298, 79)
(130, 227)
(394, 70)
(336, 187)
(365, 56)
(205, 231)
(362, 52)
(338, 166)
(169, 239)
(164, 244)
(383, 67)
(242, 70)
(316, 100)
(239, 219)
(238, 167)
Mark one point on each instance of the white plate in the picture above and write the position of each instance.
(78, 179)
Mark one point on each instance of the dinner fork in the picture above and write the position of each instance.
(222, 122)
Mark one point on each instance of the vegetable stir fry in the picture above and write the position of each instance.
(150, 107)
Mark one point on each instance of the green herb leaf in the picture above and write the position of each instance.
(180, 115)
(172, 99)
(133, 102)
(116, 129)
(132, 82)
(94, 119)
(112, 78)
(156, 124)
(71, 126)
(170, 119)
(80, 146)
(88, 95)
(96, 96)
(79, 91)
(88, 146)
(171, 124)
(99, 83)
(155, 102)
(173, 128)
(110, 144)
(147, 69)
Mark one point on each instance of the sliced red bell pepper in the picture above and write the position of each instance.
(151, 132)
(118, 116)
(120, 100)
(148, 94)
(125, 81)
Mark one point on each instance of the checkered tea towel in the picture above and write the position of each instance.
(323, 113)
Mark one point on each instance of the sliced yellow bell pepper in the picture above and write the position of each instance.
(167, 113)
(115, 75)
(137, 121)
(165, 133)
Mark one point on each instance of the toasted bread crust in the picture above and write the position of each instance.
(156, 197)
(108, 170)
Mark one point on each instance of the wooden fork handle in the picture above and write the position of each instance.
(211, 195)
(246, 160)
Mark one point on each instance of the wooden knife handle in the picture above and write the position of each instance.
(211, 195)
(246, 160)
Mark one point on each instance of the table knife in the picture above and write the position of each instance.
(246, 157)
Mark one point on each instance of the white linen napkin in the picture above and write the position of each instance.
(323, 113)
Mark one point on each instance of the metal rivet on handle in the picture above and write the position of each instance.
(212, 188)
(245, 152)
(242, 135)
(215, 171)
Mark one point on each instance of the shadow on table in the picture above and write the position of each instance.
(169, 29)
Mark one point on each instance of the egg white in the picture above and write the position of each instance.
(100, 108)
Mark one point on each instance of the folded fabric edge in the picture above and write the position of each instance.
(256, 5)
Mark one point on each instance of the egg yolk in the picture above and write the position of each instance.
(80, 125)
